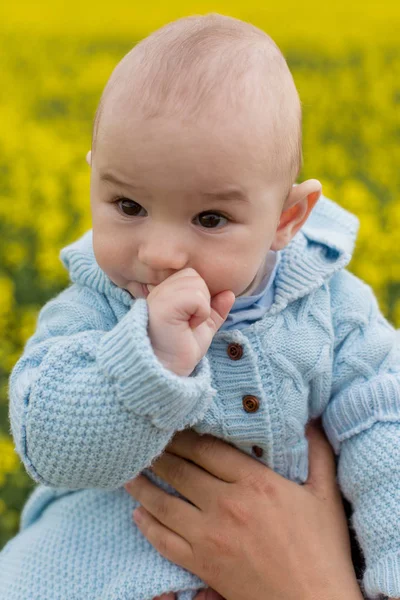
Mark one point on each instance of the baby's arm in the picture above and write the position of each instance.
(363, 424)
(90, 403)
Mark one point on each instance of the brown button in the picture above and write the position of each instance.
(235, 351)
(258, 451)
(251, 404)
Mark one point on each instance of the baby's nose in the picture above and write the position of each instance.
(163, 255)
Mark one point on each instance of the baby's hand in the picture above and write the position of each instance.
(183, 319)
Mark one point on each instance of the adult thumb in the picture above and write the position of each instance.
(321, 460)
(221, 304)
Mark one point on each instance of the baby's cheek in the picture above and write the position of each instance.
(109, 260)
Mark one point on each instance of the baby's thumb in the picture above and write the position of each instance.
(321, 460)
(221, 304)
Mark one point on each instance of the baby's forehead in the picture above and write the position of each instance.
(207, 68)
(188, 166)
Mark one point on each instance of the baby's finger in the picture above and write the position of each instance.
(193, 306)
(179, 277)
(221, 304)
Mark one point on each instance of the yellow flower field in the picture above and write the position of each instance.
(56, 59)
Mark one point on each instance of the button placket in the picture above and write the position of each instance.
(250, 403)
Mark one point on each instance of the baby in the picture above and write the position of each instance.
(212, 293)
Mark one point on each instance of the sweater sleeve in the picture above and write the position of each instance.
(90, 404)
(362, 422)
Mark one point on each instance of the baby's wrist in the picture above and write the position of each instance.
(173, 365)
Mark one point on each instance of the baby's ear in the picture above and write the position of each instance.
(89, 158)
(296, 210)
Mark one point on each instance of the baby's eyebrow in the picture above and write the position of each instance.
(107, 176)
(234, 194)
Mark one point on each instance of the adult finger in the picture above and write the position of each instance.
(169, 510)
(169, 544)
(208, 594)
(214, 456)
(322, 467)
(188, 479)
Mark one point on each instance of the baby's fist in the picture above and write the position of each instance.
(183, 319)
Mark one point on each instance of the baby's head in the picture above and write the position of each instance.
(196, 146)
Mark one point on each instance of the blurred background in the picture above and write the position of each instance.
(55, 59)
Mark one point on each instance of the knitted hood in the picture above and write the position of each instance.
(322, 247)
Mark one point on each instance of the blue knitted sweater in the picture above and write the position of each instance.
(91, 407)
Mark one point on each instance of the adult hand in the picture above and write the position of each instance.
(249, 533)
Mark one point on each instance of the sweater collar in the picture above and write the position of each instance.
(321, 248)
(80, 262)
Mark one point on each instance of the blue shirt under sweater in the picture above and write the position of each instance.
(249, 309)
(91, 407)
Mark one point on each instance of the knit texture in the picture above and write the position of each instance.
(91, 407)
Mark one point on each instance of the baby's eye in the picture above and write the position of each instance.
(130, 207)
(211, 220)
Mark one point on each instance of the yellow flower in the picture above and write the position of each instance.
(8, 458)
